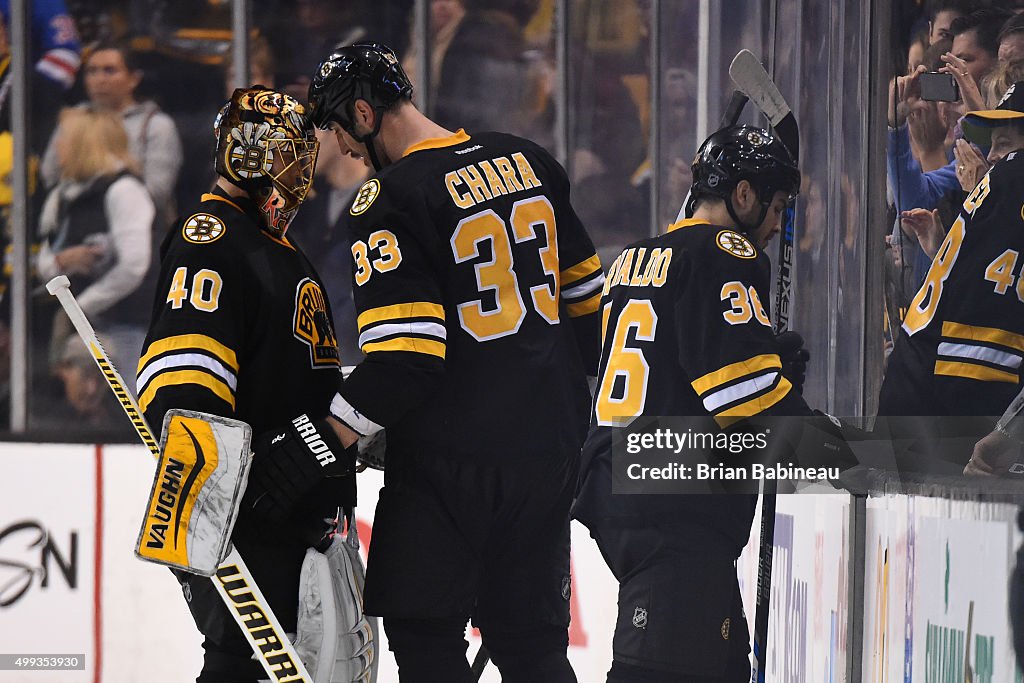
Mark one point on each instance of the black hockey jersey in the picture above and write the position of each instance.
(477, 290)
(685, 333)
(240, 324)
(960, 348)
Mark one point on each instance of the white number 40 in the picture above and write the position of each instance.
(205, 290)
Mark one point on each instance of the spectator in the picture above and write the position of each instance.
(486, 49)
(86, 401)
(111, 77)
(973, 56)
(1011, 40)
(915, 53)
(261, 66)
(445, 18)
(55, 51)
(975, 51)
(95, 228)
(971, 162)
(944, 12)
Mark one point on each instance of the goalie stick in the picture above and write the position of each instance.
(233, 580)
(750, 77)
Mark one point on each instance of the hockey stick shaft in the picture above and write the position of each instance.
(734, 109)
(480, 663)
(750, 76)
(233, 580)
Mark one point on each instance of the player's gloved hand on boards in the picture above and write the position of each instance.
(794, 358)
(302, 463)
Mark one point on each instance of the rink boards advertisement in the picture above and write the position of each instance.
(935, 574)
(935, 590)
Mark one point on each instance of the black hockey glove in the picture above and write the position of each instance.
(300, 471)
(794, 358)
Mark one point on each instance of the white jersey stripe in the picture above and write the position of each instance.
(745, 389)
(973, 351)
(180, 360)
(435, 330)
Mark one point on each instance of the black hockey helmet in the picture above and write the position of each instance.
(740, 153)
(266, 146)
(363, 71)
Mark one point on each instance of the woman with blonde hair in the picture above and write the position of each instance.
(95, 228)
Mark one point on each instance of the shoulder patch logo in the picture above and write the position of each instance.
(312, 325)
(365, 196)
(736, 244)
(202, 228)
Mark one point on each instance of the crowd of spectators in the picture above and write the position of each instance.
(125, 93)
(931, 167)
(164, 68)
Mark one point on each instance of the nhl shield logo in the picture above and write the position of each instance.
(725, 628)
(202, 228)
(566, 587)
(640, 617)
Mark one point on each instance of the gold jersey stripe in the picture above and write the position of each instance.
(580, 270)
(414, 309)
(992, 335)
(429, 347)
(456, 138)
(209, 196)
(197, 377)
(766, 361)
(686, 223)
(755, 405)
(585, 307)
(971, 371)
(199, 342)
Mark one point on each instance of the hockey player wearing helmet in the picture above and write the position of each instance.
(477, 290)
(241, 328)
(687, 335)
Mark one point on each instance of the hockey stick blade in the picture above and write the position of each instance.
(751, 78)
(233, 581)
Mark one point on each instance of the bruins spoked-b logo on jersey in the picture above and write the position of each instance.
(365, 196)
(312, 325)
(202, 228)
(736, 244)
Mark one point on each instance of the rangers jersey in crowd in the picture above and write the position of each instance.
(960, 349)
(477, 290)
(685, 334)
(240, 325)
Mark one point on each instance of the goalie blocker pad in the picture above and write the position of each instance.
(200, 479)
(336, 641)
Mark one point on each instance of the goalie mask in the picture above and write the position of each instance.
(266, 147)
(364, 71)
(740, 153)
